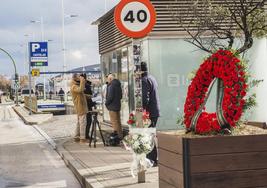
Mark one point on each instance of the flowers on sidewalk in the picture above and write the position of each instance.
(140, 142)
(145, 117)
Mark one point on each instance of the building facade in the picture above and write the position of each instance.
(170, 60)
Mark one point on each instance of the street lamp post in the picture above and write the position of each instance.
(64, 48)
(16, 73)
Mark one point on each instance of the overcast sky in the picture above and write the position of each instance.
(80, 36)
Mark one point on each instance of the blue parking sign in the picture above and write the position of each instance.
(38, 53)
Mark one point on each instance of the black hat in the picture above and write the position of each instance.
(143, 66)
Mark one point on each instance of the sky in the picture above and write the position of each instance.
(81, 38)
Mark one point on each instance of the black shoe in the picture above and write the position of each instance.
(114, 140)
(154, 163)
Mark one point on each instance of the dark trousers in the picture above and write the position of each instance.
(62, 99)
(153, 155)
(88, 125)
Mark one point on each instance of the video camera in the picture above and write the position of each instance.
(83, 75)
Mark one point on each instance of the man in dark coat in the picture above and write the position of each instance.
(113, 103)
(150, 103)
(61, 93)
(90, 104)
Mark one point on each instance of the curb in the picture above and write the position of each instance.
(48, 138)
(22, 117)
(81, 172)
(30, 122)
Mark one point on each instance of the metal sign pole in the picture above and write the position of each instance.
(16, 87)
(16, 74)
(138, 82)
(30, 82)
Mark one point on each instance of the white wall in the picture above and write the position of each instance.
(258, 60)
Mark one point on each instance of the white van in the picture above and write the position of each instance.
(24, 92)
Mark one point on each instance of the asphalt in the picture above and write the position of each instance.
(26, 159)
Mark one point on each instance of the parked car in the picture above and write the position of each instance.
(24, 92)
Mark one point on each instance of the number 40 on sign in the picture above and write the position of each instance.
(135, 18)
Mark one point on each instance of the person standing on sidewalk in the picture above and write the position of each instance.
(90, 104)
(113, 103)
(61, 93)
(80, 105)
(150, 99)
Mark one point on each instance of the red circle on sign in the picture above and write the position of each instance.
(127, 32)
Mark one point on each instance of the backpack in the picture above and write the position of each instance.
(113, 139)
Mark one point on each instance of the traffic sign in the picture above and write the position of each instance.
(135, 18)
(38, 53)
(35, 72)
(16, 85)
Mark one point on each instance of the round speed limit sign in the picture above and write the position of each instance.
(135, 18)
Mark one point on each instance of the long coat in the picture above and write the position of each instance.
(150, 95)
(114, 96)
(78, 98)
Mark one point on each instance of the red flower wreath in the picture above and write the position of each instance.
(223, 64)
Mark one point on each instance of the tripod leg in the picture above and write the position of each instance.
(95, 133)
(101, 133)
(93, 125)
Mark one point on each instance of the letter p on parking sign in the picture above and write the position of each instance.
(35, 46)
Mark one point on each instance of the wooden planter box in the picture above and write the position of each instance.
(212, 162)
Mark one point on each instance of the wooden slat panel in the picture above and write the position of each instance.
(171, 176)
(228, 162)
(234, 179)
(109, 36)
(170, 143)
(227, 144)
(171, 160)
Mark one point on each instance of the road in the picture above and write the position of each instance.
(26, 159)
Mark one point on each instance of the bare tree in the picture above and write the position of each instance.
(4, 83)
(211, 23)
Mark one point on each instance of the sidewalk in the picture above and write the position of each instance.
(33, 119)
(107, 166)
(94, 167)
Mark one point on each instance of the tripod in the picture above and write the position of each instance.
(95, 124)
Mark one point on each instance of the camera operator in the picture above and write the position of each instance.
(80, 105)
(90, 104)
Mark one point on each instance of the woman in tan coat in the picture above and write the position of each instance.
(80, 105)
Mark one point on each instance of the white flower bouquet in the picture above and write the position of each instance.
(141, 142)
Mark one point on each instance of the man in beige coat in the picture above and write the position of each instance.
(80, 105)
